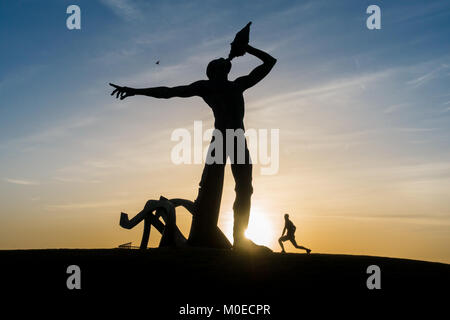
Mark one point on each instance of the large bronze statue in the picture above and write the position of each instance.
(226, 100)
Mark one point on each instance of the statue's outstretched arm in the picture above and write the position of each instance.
(194, 89)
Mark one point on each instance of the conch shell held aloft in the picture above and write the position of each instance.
(240, 42)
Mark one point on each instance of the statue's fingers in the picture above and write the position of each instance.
(113, 85)
(118, 93)
(114, 92)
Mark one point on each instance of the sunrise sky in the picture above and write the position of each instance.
(364, 120)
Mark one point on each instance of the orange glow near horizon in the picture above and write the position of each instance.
(336, 223)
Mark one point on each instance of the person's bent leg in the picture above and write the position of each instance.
(280, 241)
(299, 247)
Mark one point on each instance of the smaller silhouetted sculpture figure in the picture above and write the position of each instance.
(290, 235)
(171, 235)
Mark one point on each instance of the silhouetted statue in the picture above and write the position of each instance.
(290, 235)
(226, 100)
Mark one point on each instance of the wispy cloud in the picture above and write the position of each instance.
(22, 182)
(125, 9)
(50, 133)
(407, 174)
(395, 107)
(443, 220)
(61, 130)
(20, 75)
(87, 205)
(427, 77)
(414, 129)
(447, 109)
(75, 180)
(417, 82)
(335, 85)
(312, 139)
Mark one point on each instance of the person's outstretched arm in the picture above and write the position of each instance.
(260, 71)
(284, 230)
(193, 89)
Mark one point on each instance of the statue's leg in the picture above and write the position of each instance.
(207, 206)
(242, 173)
(220, 240)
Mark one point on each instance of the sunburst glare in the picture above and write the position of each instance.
(260, 228)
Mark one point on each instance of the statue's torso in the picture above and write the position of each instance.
(227, 102)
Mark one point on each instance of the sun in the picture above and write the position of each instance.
(260, 228)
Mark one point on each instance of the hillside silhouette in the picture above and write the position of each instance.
(167, 278)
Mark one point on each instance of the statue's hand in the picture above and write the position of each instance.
(122, 92)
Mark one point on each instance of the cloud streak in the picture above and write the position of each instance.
(429, 76)
(125, 9)
(22, 182)
(333, 86)
(87, 205)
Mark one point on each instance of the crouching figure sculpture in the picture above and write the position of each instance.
(171, 235)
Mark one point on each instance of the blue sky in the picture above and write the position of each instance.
(364, 115)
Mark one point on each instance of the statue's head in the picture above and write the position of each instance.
(218, 69)
(286, 216)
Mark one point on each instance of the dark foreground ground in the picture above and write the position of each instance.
(163, 281)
